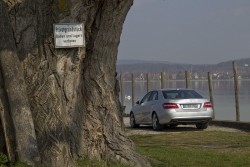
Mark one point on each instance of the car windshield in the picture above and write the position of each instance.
(181, 94)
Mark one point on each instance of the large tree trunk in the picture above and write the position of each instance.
(72, 91)
(13, 84)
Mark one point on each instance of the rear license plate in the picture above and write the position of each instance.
(190, 106)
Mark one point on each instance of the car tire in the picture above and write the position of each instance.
(173, 126)
(155, 122)
(202, 125)
(133, 123)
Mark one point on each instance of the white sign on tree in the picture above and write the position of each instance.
(68, 35)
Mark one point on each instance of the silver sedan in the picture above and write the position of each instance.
(171, 107)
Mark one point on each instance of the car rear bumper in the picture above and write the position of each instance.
(175, 117)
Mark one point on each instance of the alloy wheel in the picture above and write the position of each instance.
(155, 122)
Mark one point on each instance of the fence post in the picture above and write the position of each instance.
(148, 82)
(121, 89)
(166, 79)
(237, 107)
(133, 89)
(211, 91)
(163, 80)
(187, 77)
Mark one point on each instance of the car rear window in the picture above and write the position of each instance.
(181, 94)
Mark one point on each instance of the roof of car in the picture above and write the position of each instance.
(172, 89)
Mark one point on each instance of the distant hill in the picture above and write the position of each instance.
(120, 62)
(159, 66)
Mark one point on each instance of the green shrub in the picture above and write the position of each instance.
(3, 159)
(21, 164)
(86, 162)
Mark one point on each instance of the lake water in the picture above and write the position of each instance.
(224, 99)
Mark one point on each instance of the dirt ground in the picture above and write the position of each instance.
(144, 130)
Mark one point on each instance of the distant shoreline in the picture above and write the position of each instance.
(157, 80)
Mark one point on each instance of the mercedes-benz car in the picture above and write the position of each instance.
(171, 107)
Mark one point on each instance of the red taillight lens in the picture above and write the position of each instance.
(208, 105)
(170, 106)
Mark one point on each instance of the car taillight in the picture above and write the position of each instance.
(170, 106)
(208, 105)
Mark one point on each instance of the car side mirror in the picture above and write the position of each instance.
(138, 102)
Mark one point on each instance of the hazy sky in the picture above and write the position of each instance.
(187, 31)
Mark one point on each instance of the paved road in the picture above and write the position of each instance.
(144, 130)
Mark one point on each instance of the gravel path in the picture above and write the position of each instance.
(144, 130)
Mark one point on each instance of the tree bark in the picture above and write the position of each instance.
(72, 91)
(15, 87)
(7, 136)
